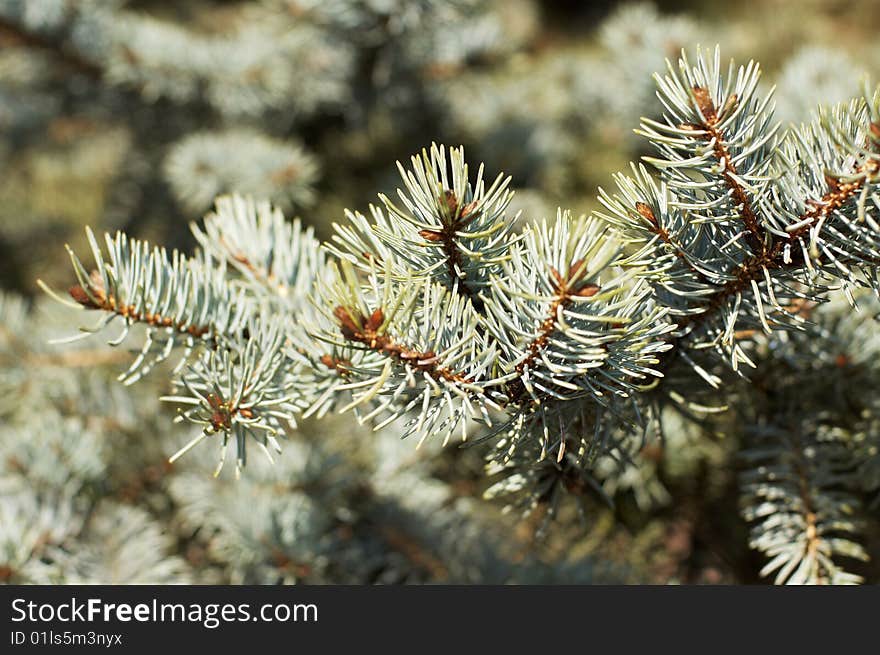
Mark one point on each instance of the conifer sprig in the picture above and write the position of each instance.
(568, 341)
(445, 226)
(182, 301)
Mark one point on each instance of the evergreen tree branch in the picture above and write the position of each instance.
(365, 330)
(567, 342)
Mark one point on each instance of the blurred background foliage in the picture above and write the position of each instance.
(135, 114)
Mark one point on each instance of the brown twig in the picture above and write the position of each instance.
(814, 539)
(365, 330)
(755, 235)
(446, 236)
(565, 290)
(96, 298)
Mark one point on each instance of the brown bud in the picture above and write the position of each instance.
(96, 284)
(468, 208)
(220, 421)
(587, 291)
(335, 364)
(430, 235)
(875, 130)
(375, 320)
(450, 200)
(347, 325)
(647, 213)
(79, 295)
(704, 102)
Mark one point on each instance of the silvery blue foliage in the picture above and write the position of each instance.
(207, 164)
(567, 342)
(814, 72)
